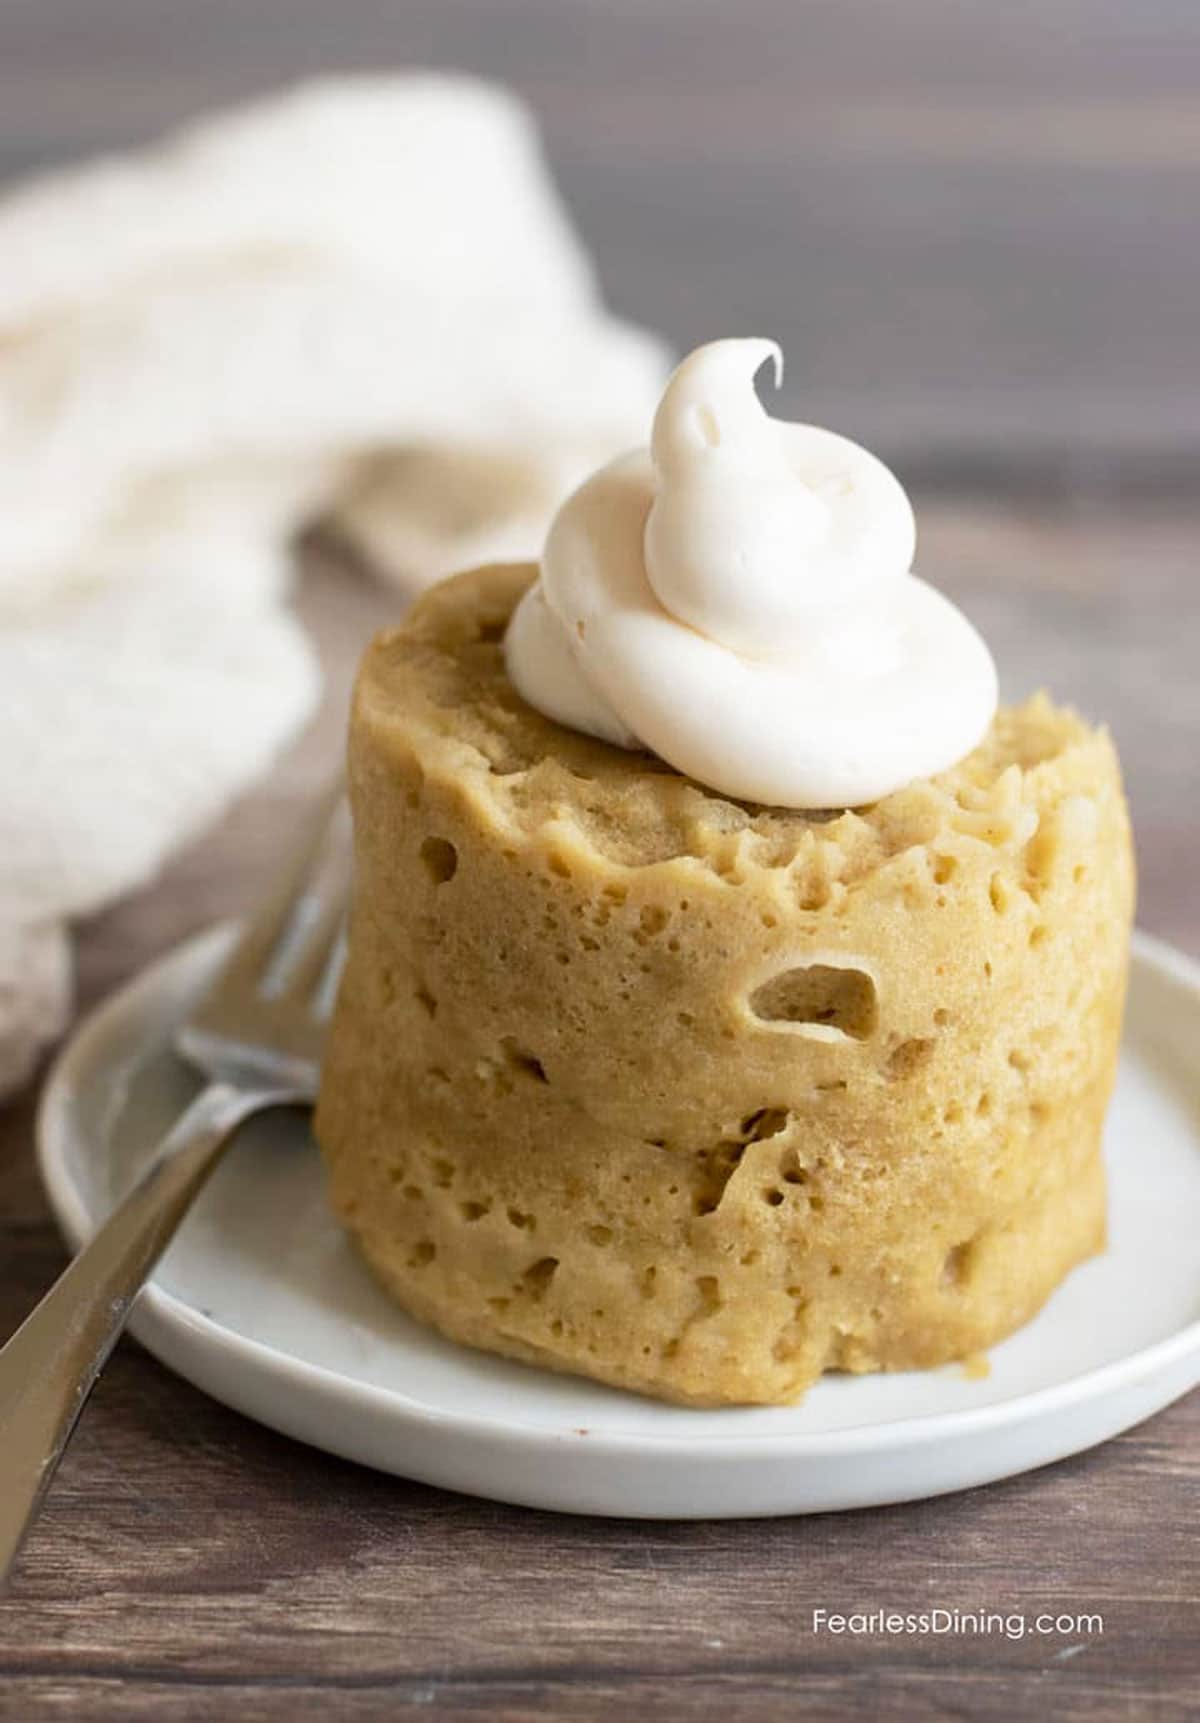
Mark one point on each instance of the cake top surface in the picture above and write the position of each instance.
(438, 684)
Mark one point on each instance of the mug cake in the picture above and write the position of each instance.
(733, 991)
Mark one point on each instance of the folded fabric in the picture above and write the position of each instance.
(361, 299)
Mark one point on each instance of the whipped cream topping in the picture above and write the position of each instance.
(738, 599)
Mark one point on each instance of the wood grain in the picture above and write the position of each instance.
(190, 1564)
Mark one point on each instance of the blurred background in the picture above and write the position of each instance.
(972, 226)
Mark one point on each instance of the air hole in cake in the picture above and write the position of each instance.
(717, 1167)
(518, 1219)
(422, 1254)
(789, 1341)
(472, 1211)
(600, 1235)
(909, 1056)
(824, 1001)
(518, 1058)
(651, 921)
(791, 1170)
(440, 858)
(959, 1263)
(502, 762)
(999, 894)
(767, 1122)
(426, 1001)
(491, 631)
(709, 1289)
(944, 869)
(537, 1277)
(814, 894)
(773, 1198)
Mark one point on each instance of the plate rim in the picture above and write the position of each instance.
(163, 1313)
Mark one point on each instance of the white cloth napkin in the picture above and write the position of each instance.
(360, 299)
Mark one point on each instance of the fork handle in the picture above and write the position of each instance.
(48, 1368)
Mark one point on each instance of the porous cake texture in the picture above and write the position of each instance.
(703, 1098)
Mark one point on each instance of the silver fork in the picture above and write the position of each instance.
(257, 1035)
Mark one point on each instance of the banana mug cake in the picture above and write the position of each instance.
(733, 992)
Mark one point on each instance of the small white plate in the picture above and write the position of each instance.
(261, 1302)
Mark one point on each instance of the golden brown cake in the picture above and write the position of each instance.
(704, 1098)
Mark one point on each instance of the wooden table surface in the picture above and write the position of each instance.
(974, 229)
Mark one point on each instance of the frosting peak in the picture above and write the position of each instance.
(738, 599)
(758, 529)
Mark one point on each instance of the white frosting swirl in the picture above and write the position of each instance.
(737, 598)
